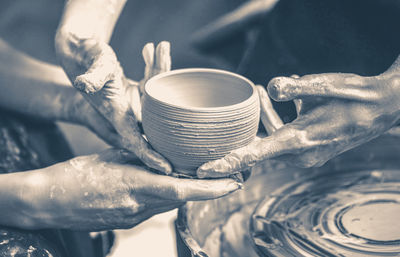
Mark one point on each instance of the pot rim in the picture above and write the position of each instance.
(248, 101)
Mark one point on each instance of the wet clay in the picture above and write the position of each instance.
(192, 116)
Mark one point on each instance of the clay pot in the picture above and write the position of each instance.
(192, 116)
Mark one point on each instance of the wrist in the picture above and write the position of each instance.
(59, 103)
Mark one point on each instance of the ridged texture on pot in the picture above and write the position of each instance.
(223, 115)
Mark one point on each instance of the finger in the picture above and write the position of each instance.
(154, 160)
(243, 158)
(269, 118)
(135, 102)
(148, 57)
(178, 189)
(298, 103)
(135, 142)
(163, 58)
(101, 63)
(345, 86)
(195, 190)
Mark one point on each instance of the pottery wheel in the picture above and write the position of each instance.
(334, 214)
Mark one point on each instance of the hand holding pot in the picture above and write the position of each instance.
(103, 191)
(336, 112)
(93, 68)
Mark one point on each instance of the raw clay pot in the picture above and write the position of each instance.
(192, 116)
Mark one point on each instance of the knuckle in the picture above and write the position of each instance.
(299, 140)
(273, 87)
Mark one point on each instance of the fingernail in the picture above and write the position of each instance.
(274, 89)
(167, 169)
(164, 166)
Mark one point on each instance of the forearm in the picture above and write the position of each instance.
(90, 19)
(33, 87)
(37, 98)
(18, 198)
(36, 199)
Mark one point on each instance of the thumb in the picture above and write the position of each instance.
(101, 63)
(338, 85)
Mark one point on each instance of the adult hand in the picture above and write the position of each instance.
(106, 191)
(336, 112)
(93, 68)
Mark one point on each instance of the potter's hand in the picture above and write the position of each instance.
(336, 112)
(93, 68)
(105, 191)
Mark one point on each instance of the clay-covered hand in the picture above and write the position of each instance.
(336, 112)
(93, 68)
(107, 191)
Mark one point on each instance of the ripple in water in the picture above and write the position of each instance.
(338, 214)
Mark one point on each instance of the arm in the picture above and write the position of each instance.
(90, 19)
(82, 20)
(40, 89)
(336, 112)
(97, 192)
(33, 87)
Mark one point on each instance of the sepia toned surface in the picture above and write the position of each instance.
(295, 39)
